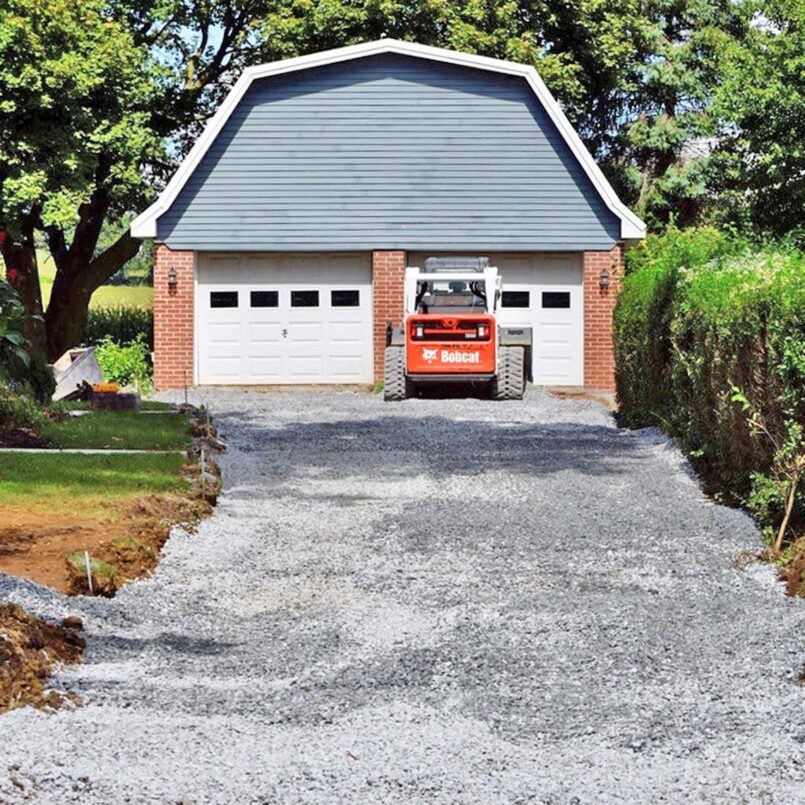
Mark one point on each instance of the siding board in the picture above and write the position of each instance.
(389, 152)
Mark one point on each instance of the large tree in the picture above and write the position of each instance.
(98, 99)
(95, 99)
(74, 94)
(760, 102)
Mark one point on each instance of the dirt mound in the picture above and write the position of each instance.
(29, 648)
(22, 437)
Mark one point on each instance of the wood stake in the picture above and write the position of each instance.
(89, 572)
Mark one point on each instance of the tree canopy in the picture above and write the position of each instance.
(761, 102)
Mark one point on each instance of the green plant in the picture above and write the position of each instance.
(18, 362)
(126, 364)
(41, 379)
(18, 410)
(708, 319)
(13, 351)
(121, 323)
(773, 496)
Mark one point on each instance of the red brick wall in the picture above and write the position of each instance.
(599, 360)
(388, 273)
(173, 319)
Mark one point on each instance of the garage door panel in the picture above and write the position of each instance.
(346, 333)
(305, 333)
(264, 367)
(345, 368)
(264, 332)
(304, 318)
(558, 334)
(306, 366)
(224, 334)
(224, 368)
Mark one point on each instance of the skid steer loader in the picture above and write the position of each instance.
(450, 332)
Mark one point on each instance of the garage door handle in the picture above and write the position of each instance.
(284, 333)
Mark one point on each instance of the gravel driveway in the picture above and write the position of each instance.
(448, 601)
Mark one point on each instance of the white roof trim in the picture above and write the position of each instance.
(145, 224)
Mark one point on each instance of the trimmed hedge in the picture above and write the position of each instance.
(710, 346)
(123, 324)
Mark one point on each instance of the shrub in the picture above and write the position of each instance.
(18, 410)
(41, 379)
(122, 323)
(18, 362)
(126, 364)
(710, 345)
(14, 354)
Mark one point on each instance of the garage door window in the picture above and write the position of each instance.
(265, 298)
(516, 299)
(345, 298)
(223, 298)
(556, 299)
(304, 298)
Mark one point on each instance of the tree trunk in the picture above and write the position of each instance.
(79, 273)
(77, 278)
(21, 265)
(66, 316)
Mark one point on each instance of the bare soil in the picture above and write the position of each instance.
(22, 437)
(793, 574)
(29, 648)
(129, 536)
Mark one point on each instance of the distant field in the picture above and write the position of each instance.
(105, 296)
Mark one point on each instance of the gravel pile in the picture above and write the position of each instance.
(432, 601)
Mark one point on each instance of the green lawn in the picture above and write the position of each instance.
(105, 296)
(122, 430)
(78, 484)
(145, 405)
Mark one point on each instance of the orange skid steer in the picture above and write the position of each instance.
(450, 332)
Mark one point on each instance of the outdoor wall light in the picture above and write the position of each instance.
(173, 280)
(603, 279)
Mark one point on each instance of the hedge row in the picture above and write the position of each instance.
(120, 323)
(710, 346)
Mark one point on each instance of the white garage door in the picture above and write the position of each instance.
(544, 292)
(296, 318)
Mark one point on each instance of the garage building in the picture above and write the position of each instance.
(282, 239)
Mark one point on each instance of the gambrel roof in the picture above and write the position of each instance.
(145, 225)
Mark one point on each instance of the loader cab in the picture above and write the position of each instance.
(452, 285)
(436, 295)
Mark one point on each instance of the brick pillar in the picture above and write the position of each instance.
(388, 272)
(173, 318)
(599, 359)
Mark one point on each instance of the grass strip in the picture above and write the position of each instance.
(76, 483)
(121, 430)
(145, 405)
